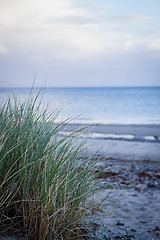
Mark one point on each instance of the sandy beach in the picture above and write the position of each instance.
(131, 176)
(132, 180)
(123, 142)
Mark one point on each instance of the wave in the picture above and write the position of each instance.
(111, 136)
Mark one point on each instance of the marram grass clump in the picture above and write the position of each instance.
(43, 188)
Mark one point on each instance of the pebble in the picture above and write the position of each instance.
(117, 237)
(141, 221)
(151, 185)
(120, 224)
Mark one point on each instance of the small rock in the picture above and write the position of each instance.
(120, 224)
(142, 221)
(157, 175)
(117, 237)
(105, 238)
(141, 187)
(142, 209)
(151, 185)
(134, 195)
(157, 229)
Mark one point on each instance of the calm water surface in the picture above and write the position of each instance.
(120, 105)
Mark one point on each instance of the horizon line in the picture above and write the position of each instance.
(80, 87)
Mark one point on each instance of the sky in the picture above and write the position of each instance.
(79, 43)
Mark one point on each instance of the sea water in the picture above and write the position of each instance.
(100, 105)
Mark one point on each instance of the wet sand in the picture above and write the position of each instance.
(123, 149)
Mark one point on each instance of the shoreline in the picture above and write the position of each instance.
(131, 176)
(133, 129)
(122, 148)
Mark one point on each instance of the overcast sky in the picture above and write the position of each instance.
(80, 42)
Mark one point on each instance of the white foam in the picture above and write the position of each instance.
(113, 136)
(110, 136)
(150, 138)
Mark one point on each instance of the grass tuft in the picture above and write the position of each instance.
(43, 188)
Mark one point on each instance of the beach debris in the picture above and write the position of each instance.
(157, 229)
(143, 174)
(118, 237)
(157, 175)
(106, 174)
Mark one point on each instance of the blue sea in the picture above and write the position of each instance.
(101, 105)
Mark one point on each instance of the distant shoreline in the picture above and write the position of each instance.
(73, 87)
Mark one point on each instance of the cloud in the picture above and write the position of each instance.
(98, 19)
(25, 29)
(61, 35)
(136, 68)
(125, 18)
(60, 29)
(3, 49)
(155, 44)
(91, 6)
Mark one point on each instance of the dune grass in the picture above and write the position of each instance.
(43, 188)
